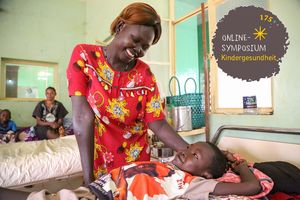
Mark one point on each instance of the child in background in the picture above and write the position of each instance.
(7, 126)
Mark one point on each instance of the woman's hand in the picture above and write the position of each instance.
(54, 125)
(168, 135)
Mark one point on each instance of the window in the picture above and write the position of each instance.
(228, 93)
(23, 79)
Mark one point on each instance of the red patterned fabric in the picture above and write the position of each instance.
(283, 196)
(123, 103)
(151, 180)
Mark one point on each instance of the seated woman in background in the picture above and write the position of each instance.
(7, 126)
(49, 115)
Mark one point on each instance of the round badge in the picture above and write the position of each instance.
(249, 43)
(50, 117)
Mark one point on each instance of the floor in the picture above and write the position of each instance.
(54, 185)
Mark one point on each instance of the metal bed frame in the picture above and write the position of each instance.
(267, 130)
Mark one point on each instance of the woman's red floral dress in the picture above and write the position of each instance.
(123, 103)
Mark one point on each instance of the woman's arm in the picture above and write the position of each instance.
(249, 184)
(168, 135)
(83, 122)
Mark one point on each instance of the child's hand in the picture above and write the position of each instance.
(238, 165)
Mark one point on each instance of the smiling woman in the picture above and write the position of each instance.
(115, 97)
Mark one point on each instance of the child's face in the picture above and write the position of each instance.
(4, 116)
(195, 160)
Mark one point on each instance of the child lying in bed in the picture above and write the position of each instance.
(190, 175)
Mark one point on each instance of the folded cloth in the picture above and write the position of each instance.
(103, 187)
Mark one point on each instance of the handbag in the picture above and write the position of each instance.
(195, 100)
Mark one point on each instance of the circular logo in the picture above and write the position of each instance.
(249, 43)
(50, 117)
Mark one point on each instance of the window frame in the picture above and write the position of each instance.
(215, 109)
(33, 63)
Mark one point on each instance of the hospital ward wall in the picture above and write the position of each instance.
(47, 31)
(40, 30)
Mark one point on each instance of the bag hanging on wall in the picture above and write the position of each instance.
(195, 100)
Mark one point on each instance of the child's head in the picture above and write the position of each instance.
(202, 159)
(5, 115)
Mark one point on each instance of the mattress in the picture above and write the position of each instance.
(30, 162)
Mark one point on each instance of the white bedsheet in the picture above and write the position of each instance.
(26, 162)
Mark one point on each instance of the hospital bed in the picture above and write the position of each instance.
(51, 164)
(55, 164)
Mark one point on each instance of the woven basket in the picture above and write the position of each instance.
(195, 100)
(175, 100)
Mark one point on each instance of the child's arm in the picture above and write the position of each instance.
(249, 184)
